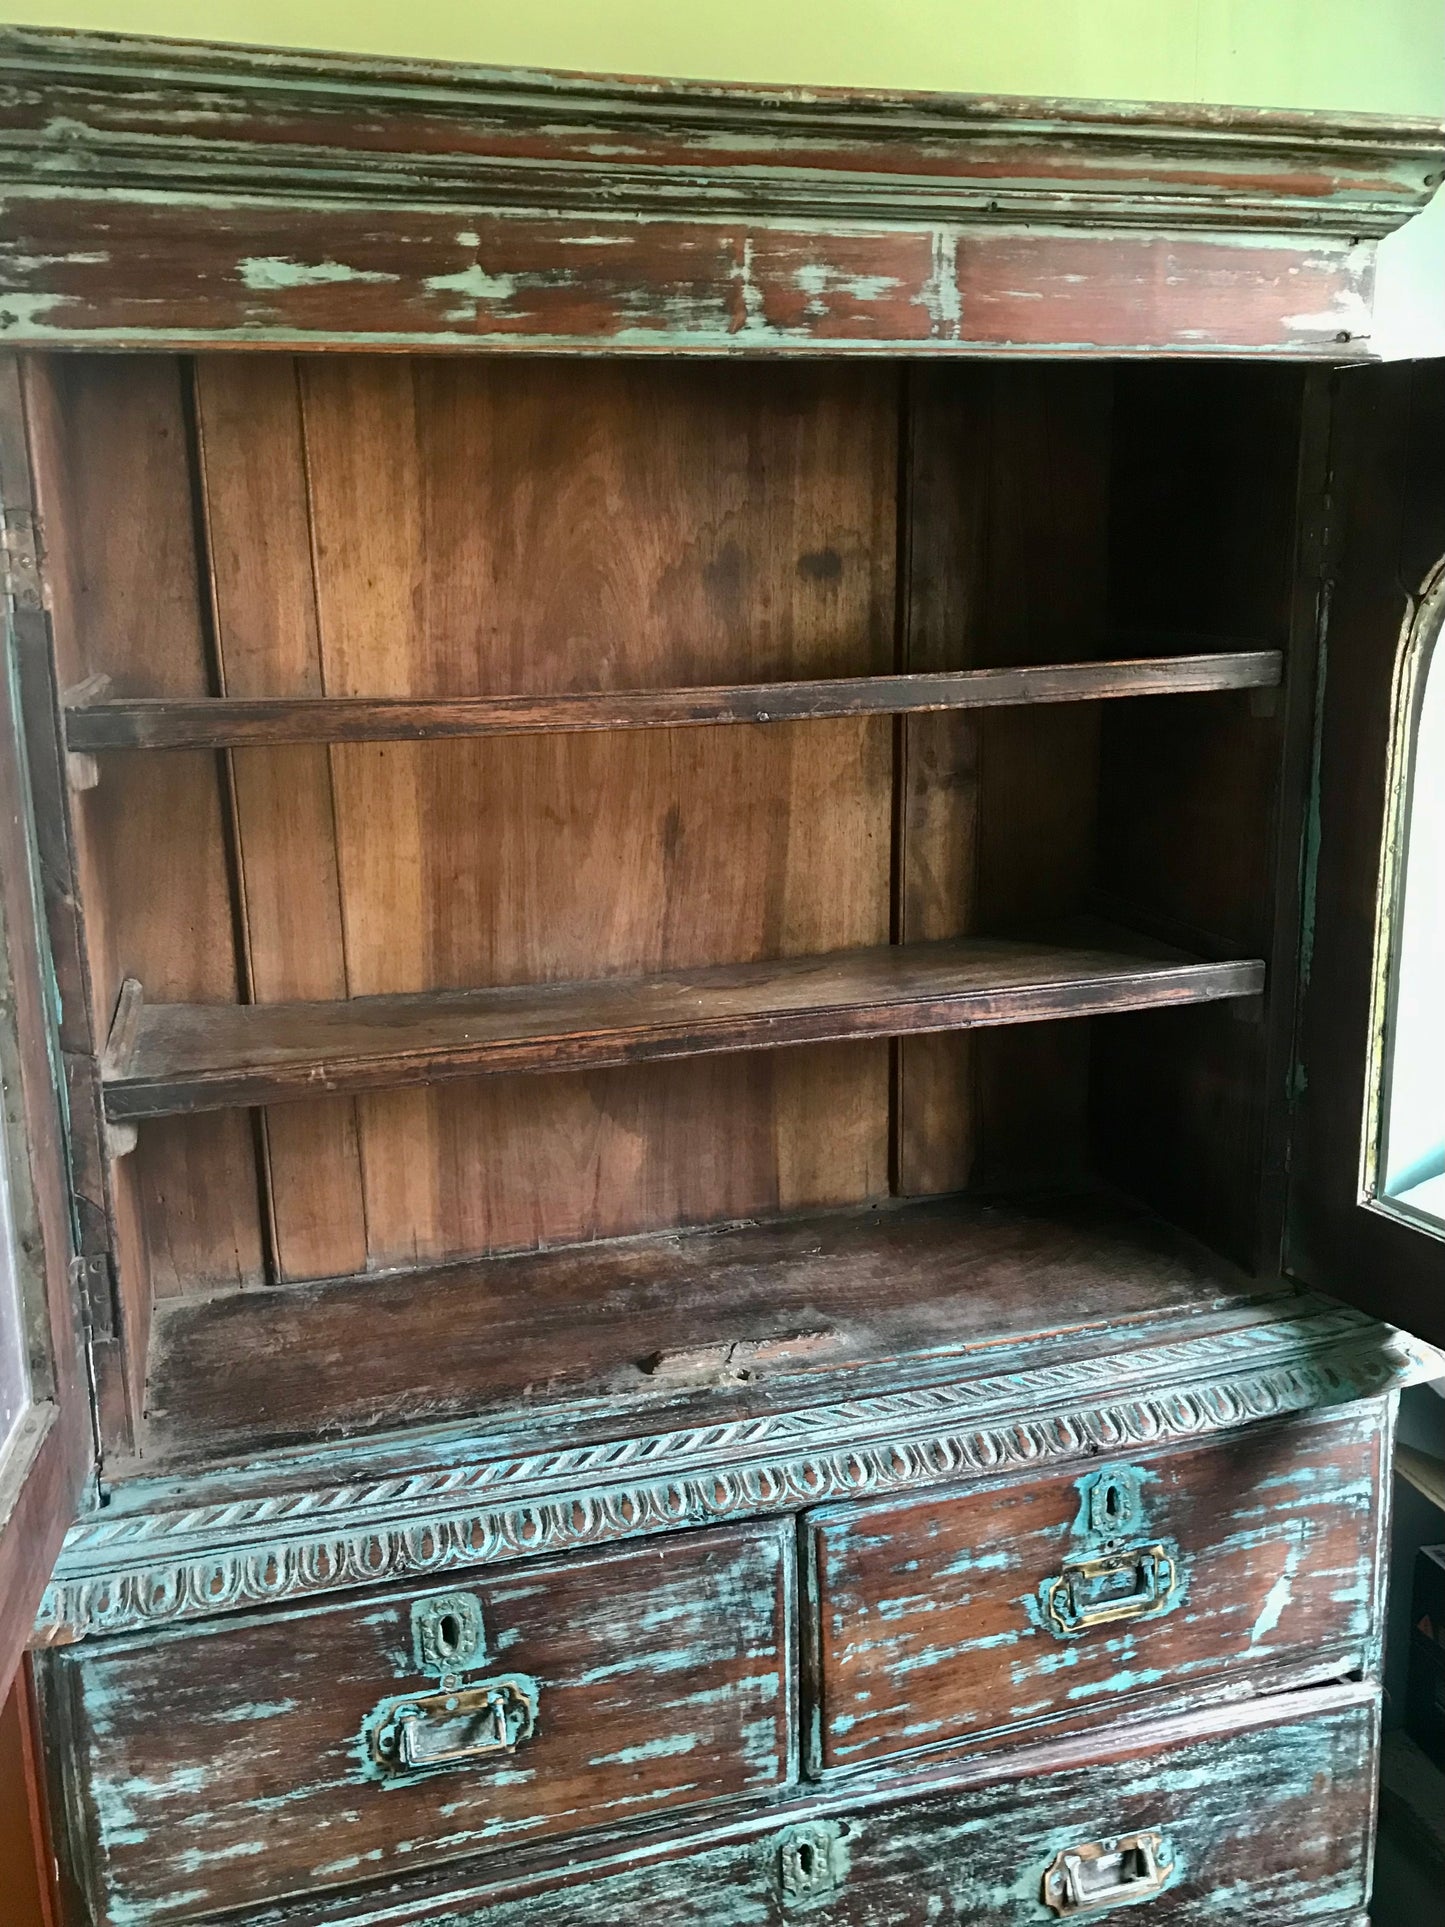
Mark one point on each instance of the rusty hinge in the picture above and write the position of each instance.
(93, 1282)
(19, 556)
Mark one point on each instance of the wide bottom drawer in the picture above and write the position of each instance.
(1262, 1814)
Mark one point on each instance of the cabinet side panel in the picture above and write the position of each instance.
(111, 445)
(1218, 493)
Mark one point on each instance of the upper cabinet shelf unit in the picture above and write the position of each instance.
(375, 698)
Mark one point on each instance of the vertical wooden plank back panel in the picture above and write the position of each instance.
(510, 529)
(946, 527)
(259, 548)
(116, 501)
(1008, 560)
(1046, 596)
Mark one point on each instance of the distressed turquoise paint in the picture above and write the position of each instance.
(273, 273)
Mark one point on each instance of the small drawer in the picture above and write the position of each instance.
(250, 1759)
(1260, 1814)
(961, 1615)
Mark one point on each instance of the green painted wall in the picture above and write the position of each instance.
(1374, 56)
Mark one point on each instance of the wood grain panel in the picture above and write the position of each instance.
(1008, 559)
(115, 486)
(259, 545)
(236, 1761)
(930, 1626)
(1044, 596)
(25, 1866)
(717, 1323)
(945, 530)
(498, 531)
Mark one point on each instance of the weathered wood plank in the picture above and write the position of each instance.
(482, 527)
(932, 1621)
(182, 115)
(233, 197)
(102, 271)
(188, 1057)
(1270, 1803)
(233, 720)
(150, 842)
(238, 1768)
(722, 1317)
(258, 546)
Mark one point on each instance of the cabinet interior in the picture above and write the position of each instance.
(923, 1173)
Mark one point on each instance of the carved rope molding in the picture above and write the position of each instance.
(158, 1569)
(159, 193)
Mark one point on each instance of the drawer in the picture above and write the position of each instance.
(1262, 1813)
(964, 1614)
(248, 1759)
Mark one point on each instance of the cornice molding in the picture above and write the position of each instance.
(127, 1570)
(157, 193)
(101, 112)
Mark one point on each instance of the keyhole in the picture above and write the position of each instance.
(449, 1635)
(1111, 1501)
(805, 1861)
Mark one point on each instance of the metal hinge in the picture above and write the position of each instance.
(20, 559)
(93, 1282)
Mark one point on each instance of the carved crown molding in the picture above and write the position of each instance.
(157, 193)
(125, 1570)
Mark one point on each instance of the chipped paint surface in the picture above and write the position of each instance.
(1265, 1821)
(450, 209)
(640, 1684)
(932, 1616)
(275, 273)
(163, 1552)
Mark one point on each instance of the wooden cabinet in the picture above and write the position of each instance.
(700, 964)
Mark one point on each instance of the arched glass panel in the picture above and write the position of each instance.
(1409, 1157)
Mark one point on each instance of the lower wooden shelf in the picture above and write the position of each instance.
(168, 1058)
(724, 1321)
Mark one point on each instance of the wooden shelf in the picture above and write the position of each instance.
(168, 1058)
(1423, 1471)
(713, 1322)
(229, 722)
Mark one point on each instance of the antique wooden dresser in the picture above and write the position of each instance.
(694, 794)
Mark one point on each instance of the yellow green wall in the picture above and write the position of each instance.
(1374, 56)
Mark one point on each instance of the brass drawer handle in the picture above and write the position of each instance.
(1104, 1873)
(430, 1732)
(1138, 1583)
